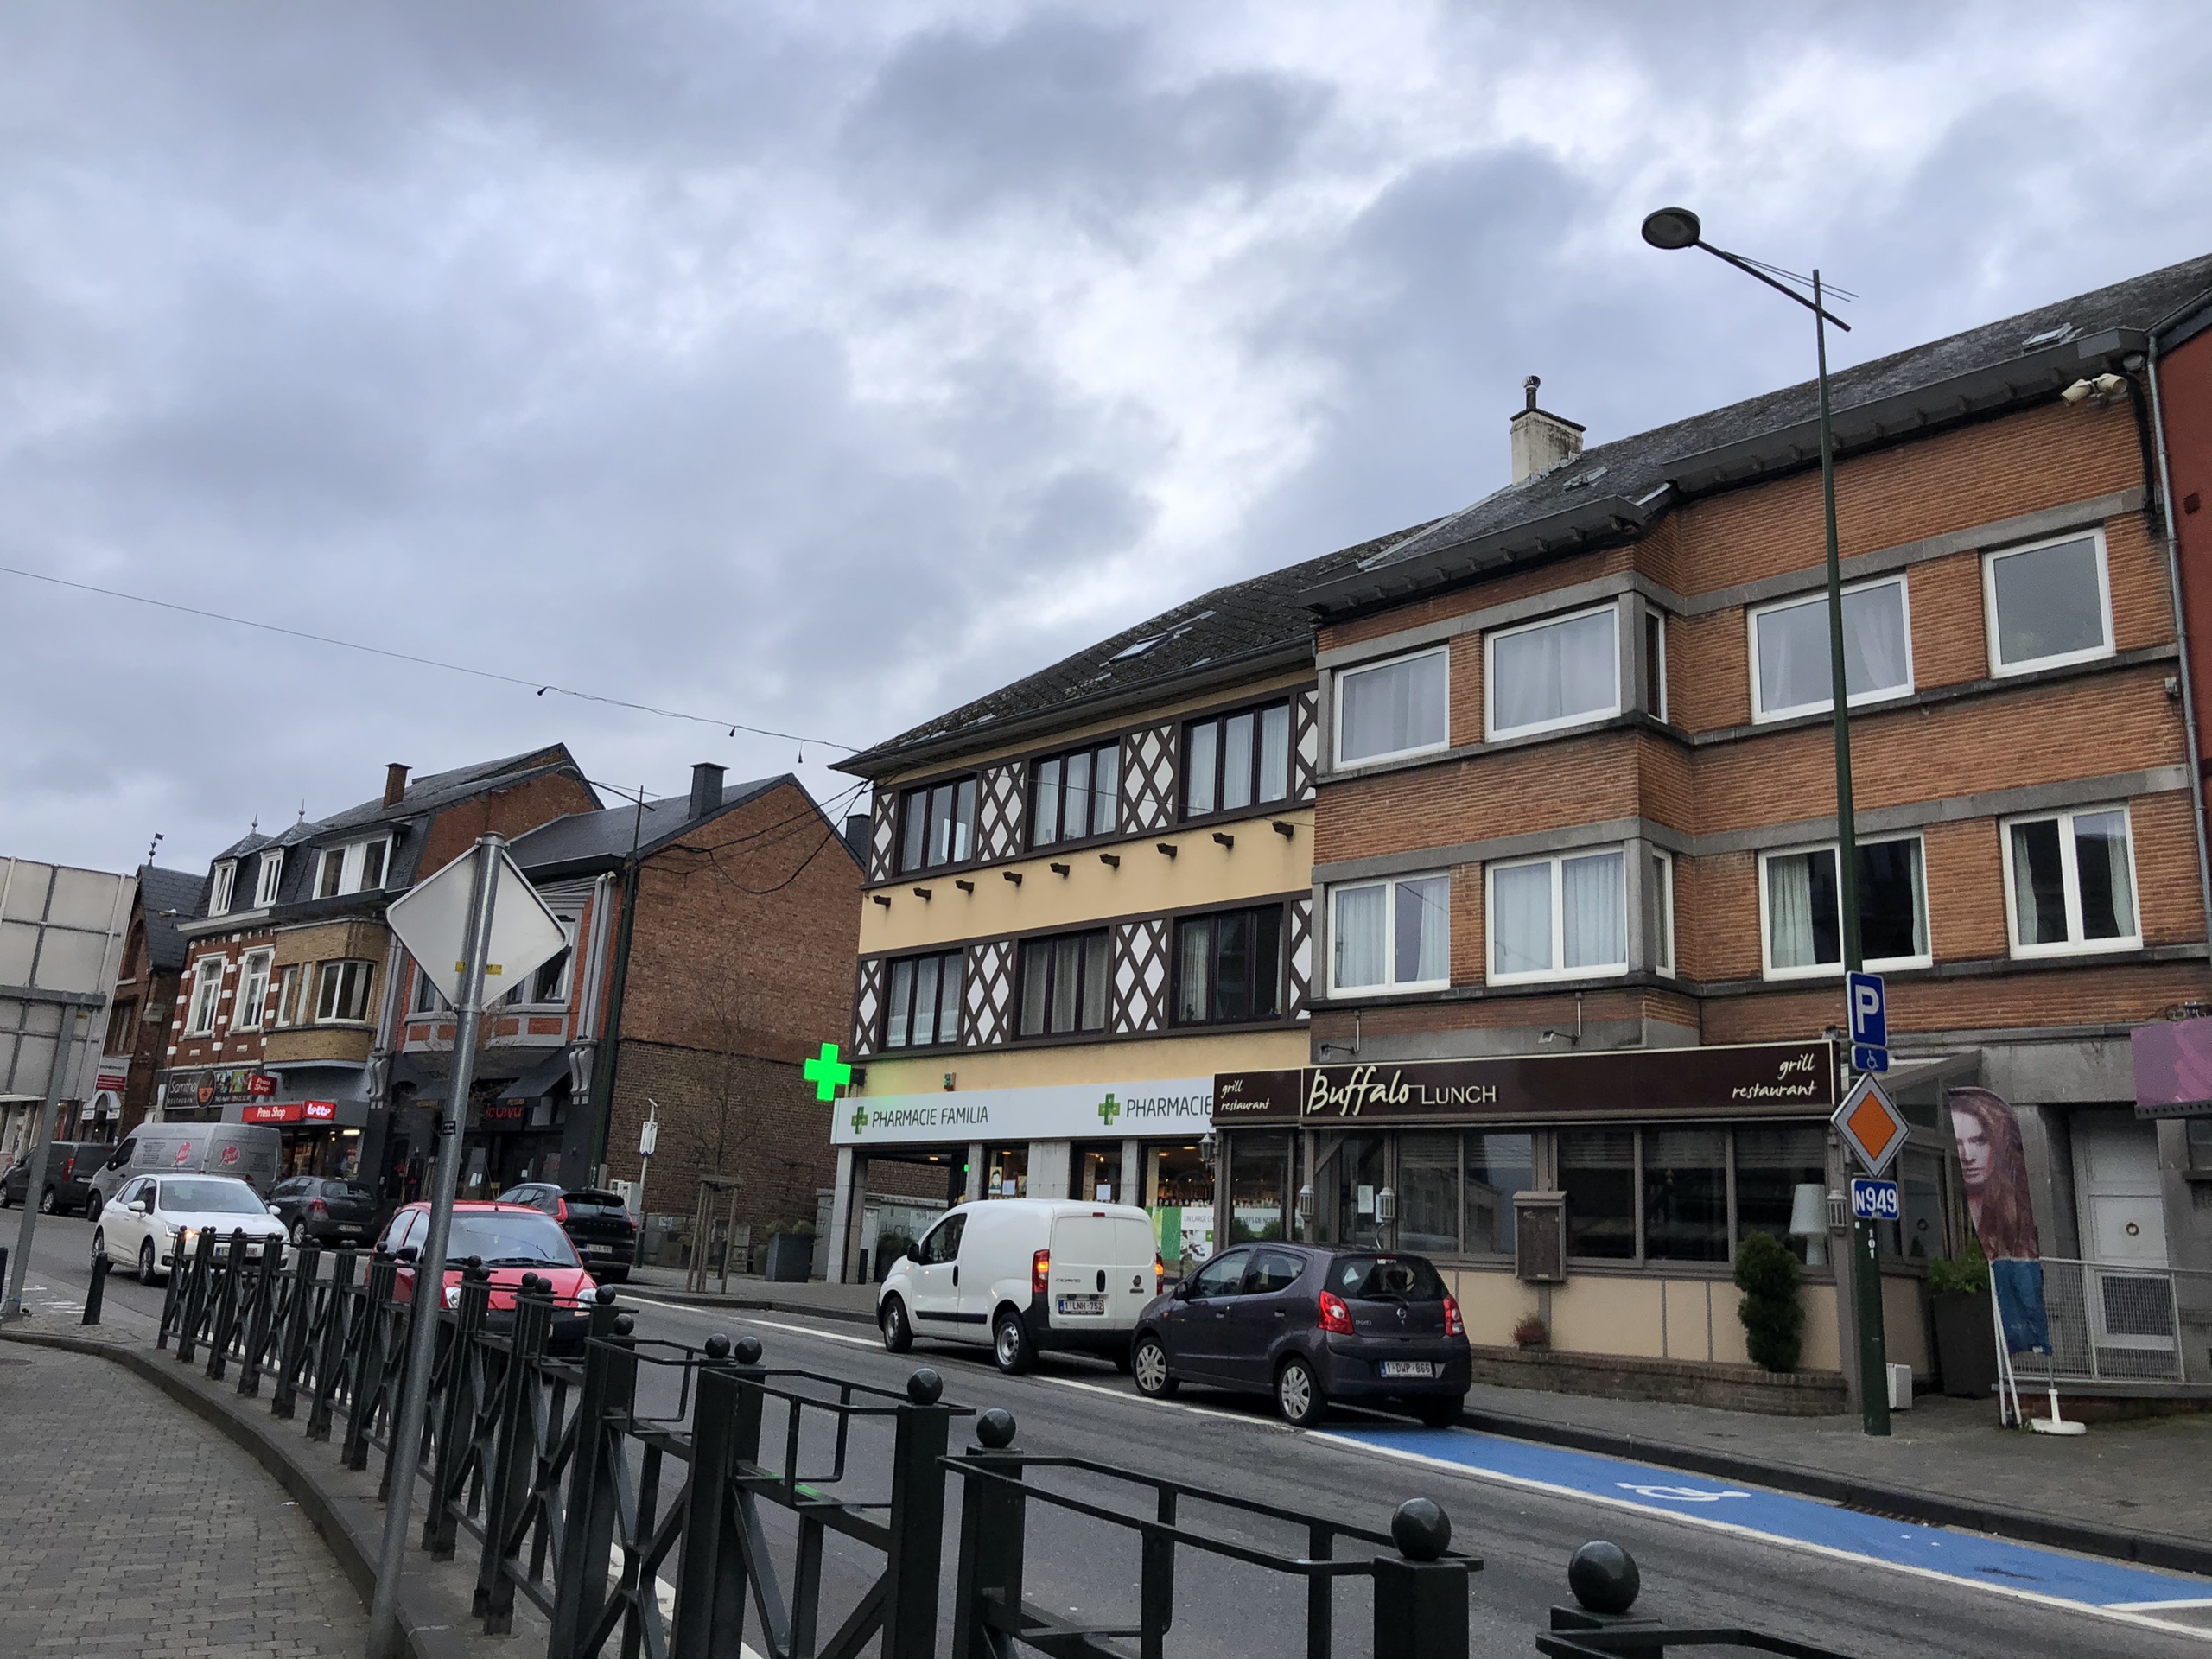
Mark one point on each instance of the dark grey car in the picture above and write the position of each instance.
(324, 1209)
(70, 1165)
(1309, 1325)
(598, 1224)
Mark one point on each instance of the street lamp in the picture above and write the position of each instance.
(1671, 228)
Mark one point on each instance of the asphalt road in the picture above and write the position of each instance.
(1525, 1535)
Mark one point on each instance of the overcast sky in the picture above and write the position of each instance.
(822, 366)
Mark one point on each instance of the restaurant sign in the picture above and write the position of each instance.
(1737, 1080)
(218, 1086)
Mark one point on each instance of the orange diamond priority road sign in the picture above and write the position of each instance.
(1871, 1125)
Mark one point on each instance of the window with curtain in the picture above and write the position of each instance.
(1771, 1164)
(1804, 908)
(253, 990)
(2070, 882)
(922, 1007)
(1391, 935)
(936, 825)
(1499, 1164)
(1392, 709)
(1790, 669)
(1558, 918)
(206, 989)
(1063, 984)
(1428, 1191)
(1597, 1171)
(1229, 967)
(1686, 1195)
(1075, 795)
(2048, 605)
(1232, 762)
(1555, 674)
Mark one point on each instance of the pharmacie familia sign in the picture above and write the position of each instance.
(1739, 1080)
(1061, 1112)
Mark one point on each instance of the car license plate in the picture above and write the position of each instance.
(349, 1227)
(1083, 1304)
(1409, 1368)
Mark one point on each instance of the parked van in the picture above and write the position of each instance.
(249, 1151)
(1023, 1275)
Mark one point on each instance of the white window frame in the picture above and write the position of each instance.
(1545, 976)
(1661, 873)
(2070, 878)
(368, 984)
(1835, 969)
(1999, 669)
(1658, 619)
(1492, 730)
(1337, 705)
(199, 1015)
(225, 885)
(245, 1011)
(288, 981)
(353, 859)
(560, 997)
(1761, 716)
(267, 876)
(1390, 986)
(425, 990)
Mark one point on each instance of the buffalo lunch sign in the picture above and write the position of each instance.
(1059, 1112)
(1741, 1080)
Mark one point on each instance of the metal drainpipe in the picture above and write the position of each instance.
(2180, 637)
(611, 1033)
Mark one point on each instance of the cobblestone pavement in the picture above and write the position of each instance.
(128, 1526)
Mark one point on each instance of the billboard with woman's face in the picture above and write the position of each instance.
(1994, 1168)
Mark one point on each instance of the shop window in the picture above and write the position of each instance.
(1918, 1233)
(1231, 762)
(1498, 1163)
(1558, 917)
(1391, 935)
(343, 992)
(1792, 672)
(1803, 909)
(1075, 795)
(1555, 674)
(206, 988)
(938, 825)
(1259, 1186)
(1771, 1165)
(253, 990)
(1393, 708)
(1180, 1192)
(1229, 967)
(1063, 984)
(2048, 605)
(1684, 1195)
(1597, 1171)
(2070, 883)
(1356, 1191)
(1006, 1172)
(1098, 1173)
(1428, 1191)
(924, 1001)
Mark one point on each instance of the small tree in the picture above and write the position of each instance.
(1773, 1322)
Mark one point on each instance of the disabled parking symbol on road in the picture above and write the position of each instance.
(1677, 1494)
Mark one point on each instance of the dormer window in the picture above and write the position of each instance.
(358, 867)
(218, 895)
(272, 872)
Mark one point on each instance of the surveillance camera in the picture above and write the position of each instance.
(2111, 386)
(2079, 390)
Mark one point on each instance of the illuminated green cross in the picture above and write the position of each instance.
(1108, 1110)
(826, 1073)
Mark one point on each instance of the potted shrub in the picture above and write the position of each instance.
(1531, 1333)
(1966, 1345)
(1774, 1322)
(791, 1252)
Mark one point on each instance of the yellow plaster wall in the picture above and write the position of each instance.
(1018, 1067)
(1591, 1315)
(1492, 1301)
(1905, 1333)
(1821, 1349)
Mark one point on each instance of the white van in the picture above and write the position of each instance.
(249, 1151)
(1023, 1275)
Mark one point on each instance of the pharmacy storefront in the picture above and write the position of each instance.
(1147, 1142)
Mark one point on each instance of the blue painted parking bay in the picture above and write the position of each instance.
(1995, 1564)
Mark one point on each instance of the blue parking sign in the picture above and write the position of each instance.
(1869, 1010)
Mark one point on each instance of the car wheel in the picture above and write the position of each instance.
(1147, 1363)
(898, 1335)
(99, 1246)
(46, 1205)
(1011, 1347)
(1439, 1410)
(93, 1205)
(7, 1199)
(146, 1273)
(1297, 1394)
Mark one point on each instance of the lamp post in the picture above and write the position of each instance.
(1672, 229)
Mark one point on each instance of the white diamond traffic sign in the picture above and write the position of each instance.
(431, 919)
(1871, 1125)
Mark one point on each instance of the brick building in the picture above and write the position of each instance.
(142, 1007)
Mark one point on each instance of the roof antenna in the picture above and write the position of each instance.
(155, 846)
(1530, 386)
(303, 808)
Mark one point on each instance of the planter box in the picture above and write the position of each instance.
(1965, 1343)
(1619, 1377)
(791, 1259)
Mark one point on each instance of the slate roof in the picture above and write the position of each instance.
(1620, 486)
(440, 788)
(604, 838)
(166, 895)
(1244, 623)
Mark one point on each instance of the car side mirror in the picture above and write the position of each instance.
(275, 1211)
(408, 1253)
(1182, 1291)
(912, 1253)
(144, 1204)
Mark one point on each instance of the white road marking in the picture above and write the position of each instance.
(708, 1313)
(2151, 1606)
(2118, 1613)
(1166, 1405)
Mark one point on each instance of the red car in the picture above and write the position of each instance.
(510, 1239)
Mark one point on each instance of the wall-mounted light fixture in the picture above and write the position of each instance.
(1287, 831)
(1014, 876)
(921, 892)
(1059, 870)
(881, 899)
(965, 887)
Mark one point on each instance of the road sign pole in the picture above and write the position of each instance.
(385, 1640)
(65, 1047)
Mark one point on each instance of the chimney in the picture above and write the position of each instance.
(1541, 440)
(706, 789)
(395, 783)
(855, 833)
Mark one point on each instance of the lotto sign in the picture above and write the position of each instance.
(1873, 1200)
(1871, 1125)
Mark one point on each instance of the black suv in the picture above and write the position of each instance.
(324, 1208)
(597, 1223)
(70, 1166)
(1311, 1324)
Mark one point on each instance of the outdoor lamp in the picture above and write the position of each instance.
(1386, 1206)
(1305, 1204)
(1809, 1220)
(1671, 228)
(1206, 1147)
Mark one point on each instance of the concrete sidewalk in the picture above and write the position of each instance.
(130, 1526)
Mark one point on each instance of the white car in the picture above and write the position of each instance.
(153, 1220)
(1022, 1275)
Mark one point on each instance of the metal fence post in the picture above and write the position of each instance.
(588, 1518)
(506, 1483)
(258, 1323)
(457, 1421)
(195, 1299)
(299, 1305)
(93, 1295)
(368, 1358)
(916, 1520)
(335, 1309)
(710, 1580)
(1421, 1600)
(227, 1308)
(992, 1516)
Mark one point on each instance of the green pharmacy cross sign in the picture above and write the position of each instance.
(860, 1118)
(1108, 1110)
(826, 1073)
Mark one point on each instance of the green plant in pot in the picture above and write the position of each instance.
(1774, 1322)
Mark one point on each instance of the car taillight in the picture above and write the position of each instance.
(1453, 1325)
(1335, 1316)
(1159, 1274)
(1041, 1267)
(67, 1165)
(560, 1209)
(318, 1208)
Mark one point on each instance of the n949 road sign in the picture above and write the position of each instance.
(1873, 1200)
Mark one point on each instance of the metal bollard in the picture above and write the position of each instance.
(1421, 1600)
(101, 1267)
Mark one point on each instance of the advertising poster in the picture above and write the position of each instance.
(1993, 1166)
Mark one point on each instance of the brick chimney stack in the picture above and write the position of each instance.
(706, 789)
(395, 783)
(1541, 440)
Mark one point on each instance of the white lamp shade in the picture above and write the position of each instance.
(1808, 1209)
